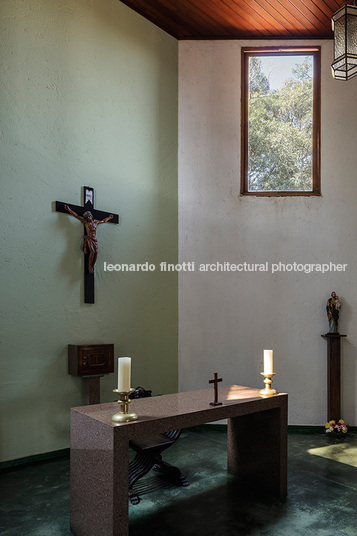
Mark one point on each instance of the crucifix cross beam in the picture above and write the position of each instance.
(90, 217)
(215, 381)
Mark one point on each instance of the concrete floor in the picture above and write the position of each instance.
(322, 493)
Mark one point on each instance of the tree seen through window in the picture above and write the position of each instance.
(280, 132)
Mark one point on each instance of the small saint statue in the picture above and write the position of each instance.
(90, 244)
(333, 312)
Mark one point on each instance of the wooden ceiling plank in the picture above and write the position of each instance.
(327, 5)
(278, 15)
(254, 15)
(245, 21)
(253, 19)
(239, 19)
(326, 13)
(233, 10)
(166, 23)
(197, 23)
(311, 21)
(225, 15)
(316, 12)
(249, 27)
(325, 9)
(198, 13)
(294, 13)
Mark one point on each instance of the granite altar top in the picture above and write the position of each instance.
(187, 404)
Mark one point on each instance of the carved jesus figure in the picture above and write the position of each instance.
(90, 244)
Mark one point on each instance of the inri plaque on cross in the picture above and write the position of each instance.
(90, 217)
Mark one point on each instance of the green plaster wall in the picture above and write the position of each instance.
(88, 97)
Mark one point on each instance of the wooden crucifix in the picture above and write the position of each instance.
(90, 217)
(215, 381)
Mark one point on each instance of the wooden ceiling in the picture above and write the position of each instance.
(240, 19)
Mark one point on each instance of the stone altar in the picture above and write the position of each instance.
(256, 448)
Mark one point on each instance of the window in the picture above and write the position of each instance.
(281, 121)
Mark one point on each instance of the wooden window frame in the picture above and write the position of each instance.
(315, 51)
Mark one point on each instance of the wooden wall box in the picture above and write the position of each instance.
(90, 360)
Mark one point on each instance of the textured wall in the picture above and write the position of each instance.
(88, 97)
(227, 319)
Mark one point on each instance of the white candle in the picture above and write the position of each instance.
(268, 361)
(124, 374)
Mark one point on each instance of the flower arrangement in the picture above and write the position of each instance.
(336, 428)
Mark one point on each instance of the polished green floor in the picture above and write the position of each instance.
(321, 501)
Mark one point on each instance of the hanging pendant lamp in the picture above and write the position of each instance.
(344, 26)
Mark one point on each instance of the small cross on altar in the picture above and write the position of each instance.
(215, 381)
(90, 243)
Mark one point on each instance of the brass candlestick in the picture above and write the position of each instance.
(124, 401)
(268, 391)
